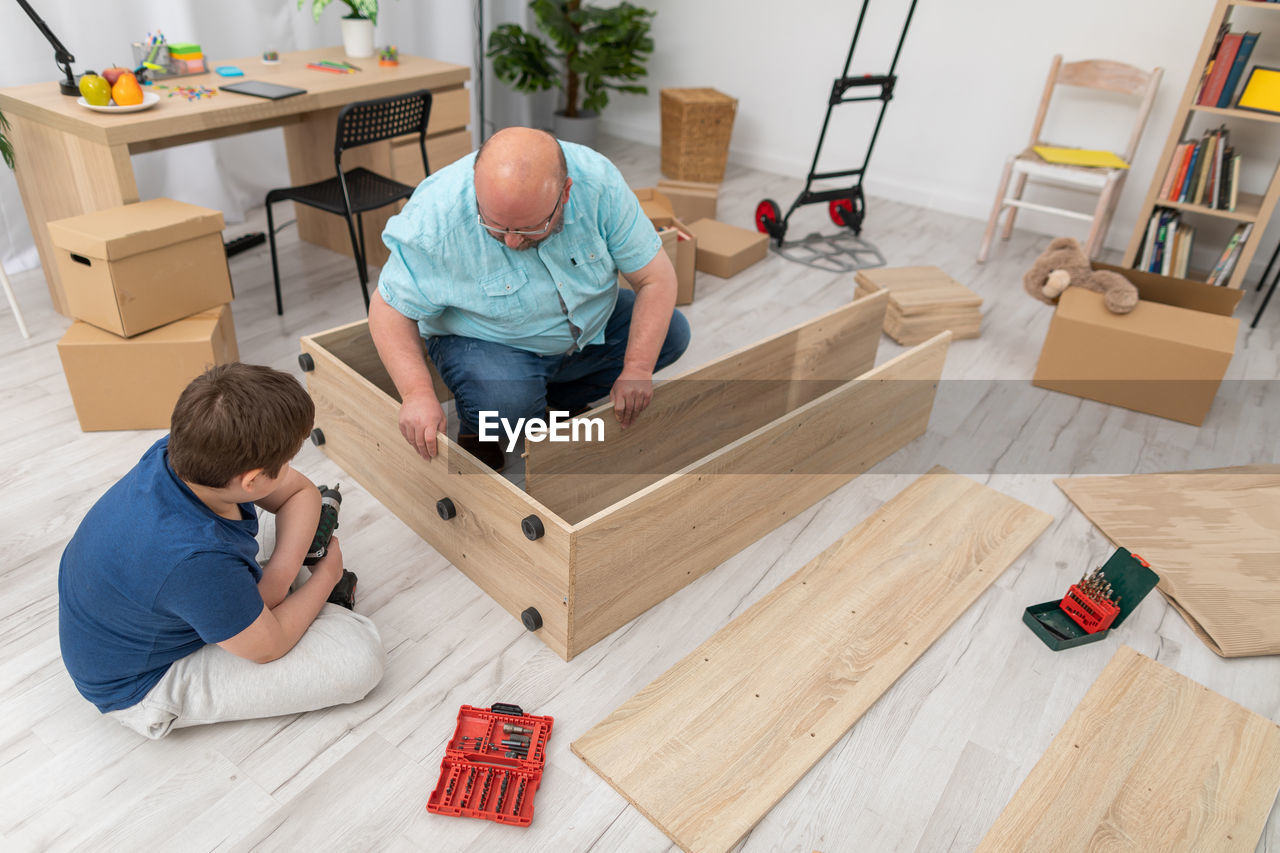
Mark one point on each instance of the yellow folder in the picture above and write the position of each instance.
(1262, 91)
(1079, 157)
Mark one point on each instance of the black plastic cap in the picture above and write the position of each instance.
(533, 529)
(531, 618)
(306, 362)
(317, 437)
(446, 509)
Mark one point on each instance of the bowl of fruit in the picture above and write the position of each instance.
(116, 90)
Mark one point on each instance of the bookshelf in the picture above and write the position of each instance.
(1250, 207)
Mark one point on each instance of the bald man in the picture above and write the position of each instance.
(506, 263)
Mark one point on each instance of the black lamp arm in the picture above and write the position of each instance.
(61, 55)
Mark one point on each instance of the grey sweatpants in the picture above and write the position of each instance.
(338, 660)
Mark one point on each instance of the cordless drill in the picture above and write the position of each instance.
(344, 592)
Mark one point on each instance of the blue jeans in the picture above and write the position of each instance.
(487, 376)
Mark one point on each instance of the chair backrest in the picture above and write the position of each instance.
(1105, 75)
(364, 122)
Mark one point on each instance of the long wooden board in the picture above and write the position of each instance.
(710, 746)
(705, 409)
(636, 553)
(1149, 760)
(1213, 536)
(484, 540)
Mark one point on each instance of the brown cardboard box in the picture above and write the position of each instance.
(726, 250)
(681, 247)
(133, 268)
(132, 383)
(655, 205)
(691, 200)
(1167, 357)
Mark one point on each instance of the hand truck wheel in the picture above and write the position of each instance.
(769, 219)
(848, 212)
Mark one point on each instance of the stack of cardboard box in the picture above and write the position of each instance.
(149, 287)
(923, 301)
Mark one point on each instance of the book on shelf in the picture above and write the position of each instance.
(1247, 41)
(1235, 180)
(1201, 173)
(1213, 86)
(1231, 254)
(1213, 57)
(1191, 170)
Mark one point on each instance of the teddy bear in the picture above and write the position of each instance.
(1064, 263)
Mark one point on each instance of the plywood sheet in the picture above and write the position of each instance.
(710, 746)
(919, 290)
(1149, 760)
(1213, 536)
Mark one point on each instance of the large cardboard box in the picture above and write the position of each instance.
(726, 250)
(691, 200)
(137, 267)
(655, 205)
(1167, 357)
(132, 383)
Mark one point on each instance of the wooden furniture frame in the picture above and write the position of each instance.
(729, 452)
(70, 160)
(1099, 74)
(1250, 207)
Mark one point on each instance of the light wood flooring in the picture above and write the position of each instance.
(928, 768)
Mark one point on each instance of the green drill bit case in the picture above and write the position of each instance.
(1130, 577)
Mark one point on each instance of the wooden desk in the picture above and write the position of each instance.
(71, 160)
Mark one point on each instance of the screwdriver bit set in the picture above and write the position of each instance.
(492, 765)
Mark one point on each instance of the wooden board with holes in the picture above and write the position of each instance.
(1149, 760)
(1213, 536)
(803, 664)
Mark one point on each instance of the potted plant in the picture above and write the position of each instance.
(593, 50)
(357, 27)
(6, 147)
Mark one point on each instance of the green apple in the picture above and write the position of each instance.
(96, 90)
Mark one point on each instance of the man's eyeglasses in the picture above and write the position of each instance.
(537, 232)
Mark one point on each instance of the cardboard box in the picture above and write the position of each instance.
(132, 383)
(681, 247)
(137, 267)
(1167, 357)
(655, 205)
(691, 200)
(726, 250)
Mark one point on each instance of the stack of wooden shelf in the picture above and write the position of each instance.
(1242, 208)
(923, 301)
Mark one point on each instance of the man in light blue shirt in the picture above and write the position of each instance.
(506, 262)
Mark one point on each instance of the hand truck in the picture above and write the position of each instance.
(844, 251)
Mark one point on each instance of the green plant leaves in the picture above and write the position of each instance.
(359, 8)
(6, 147)
(593, 51)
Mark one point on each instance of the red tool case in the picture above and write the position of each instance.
(476, 766)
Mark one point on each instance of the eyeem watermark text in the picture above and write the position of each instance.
(558, 427)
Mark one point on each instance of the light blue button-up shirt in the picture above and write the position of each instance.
(451, 276)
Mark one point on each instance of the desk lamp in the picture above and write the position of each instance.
(61, 55)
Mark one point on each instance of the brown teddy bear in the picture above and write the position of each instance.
(1064, 263)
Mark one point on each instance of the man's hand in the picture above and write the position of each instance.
(421, 417)
(631, 394)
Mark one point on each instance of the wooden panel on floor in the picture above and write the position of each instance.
(1213, 536)
(636, 553)
(710, 746)
(706, 409)
(1149, 760)
(484, 540)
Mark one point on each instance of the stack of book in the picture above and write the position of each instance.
(1204, 172)
(923, 301)
(1167, 247)
(1222, 75)
(1230, 255)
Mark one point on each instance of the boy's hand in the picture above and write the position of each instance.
(329, 567)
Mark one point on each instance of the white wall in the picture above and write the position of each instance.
(971, 75)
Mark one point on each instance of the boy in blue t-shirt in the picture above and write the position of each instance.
(165, 617)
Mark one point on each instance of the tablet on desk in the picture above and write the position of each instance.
(262, 90)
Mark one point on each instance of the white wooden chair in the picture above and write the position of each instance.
(1107, 182)
(13, 303)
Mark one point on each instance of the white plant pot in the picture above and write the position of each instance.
(357, 37)
(582, 130)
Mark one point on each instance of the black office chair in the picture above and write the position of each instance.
(359, 190)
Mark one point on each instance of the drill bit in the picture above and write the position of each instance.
(484, 792)
(471, 777)
(448, 792)
(512, 729)
(502, 791)
(515, 810)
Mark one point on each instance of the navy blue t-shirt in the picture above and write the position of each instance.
(151, 576)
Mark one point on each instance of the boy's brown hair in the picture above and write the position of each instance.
(234, 418)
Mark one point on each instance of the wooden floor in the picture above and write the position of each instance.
(929, 767)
